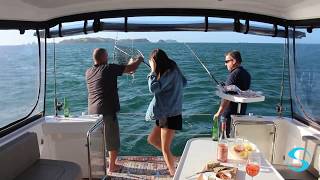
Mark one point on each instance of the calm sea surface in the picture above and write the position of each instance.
(263, 61)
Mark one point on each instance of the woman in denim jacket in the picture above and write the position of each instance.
(166, 82)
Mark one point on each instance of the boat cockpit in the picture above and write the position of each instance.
(46, 47)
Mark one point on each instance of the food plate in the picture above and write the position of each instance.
(242, 150)
(217, 171)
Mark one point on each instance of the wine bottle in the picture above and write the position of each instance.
(215, 130)
(222, 151)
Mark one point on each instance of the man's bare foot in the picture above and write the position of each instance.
(115, 168)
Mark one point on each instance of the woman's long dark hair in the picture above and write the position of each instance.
(163, 63)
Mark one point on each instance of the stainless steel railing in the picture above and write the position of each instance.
(247, 120)
(98, 124)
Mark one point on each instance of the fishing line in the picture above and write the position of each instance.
(114, 46)
(211, 75)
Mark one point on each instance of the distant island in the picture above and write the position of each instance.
(110, 40)
(167, 41)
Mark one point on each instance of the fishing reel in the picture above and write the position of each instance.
(279, 109)
(57, 106)
(222, 84)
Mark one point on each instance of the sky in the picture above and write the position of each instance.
(12, 37)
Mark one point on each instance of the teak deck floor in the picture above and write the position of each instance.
(141, 167)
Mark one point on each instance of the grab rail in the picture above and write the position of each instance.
(96, 125)
(256, 121)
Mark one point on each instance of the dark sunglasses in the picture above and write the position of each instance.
(226, 61)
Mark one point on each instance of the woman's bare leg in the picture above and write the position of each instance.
(167, 136)
(154, 138)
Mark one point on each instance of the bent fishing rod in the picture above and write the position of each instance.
(211, 75)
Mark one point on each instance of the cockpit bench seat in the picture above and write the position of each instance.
(20, 159)
(311, 173)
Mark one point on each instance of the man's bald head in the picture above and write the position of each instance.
(100, 56)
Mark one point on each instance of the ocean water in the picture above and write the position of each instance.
(200, 101)
(263, 61)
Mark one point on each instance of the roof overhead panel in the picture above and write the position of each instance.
(43, 10)
(16, 10)
(304, 10)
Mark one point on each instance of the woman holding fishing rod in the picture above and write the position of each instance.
(166, 82)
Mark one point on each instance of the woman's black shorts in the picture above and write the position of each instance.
(174, 122)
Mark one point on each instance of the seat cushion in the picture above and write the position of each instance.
(17, 155)
(45, 169)
(288, 174)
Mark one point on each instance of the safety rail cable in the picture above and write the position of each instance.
(147, 134)
(196, 114)
(89, 132)
(180, 134)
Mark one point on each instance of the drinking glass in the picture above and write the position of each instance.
(237, 142)
(253, 164)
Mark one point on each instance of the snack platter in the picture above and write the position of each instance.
(238, 151)
(217, 171)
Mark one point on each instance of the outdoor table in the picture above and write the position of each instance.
(199, 151)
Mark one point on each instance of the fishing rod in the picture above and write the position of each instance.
(211, 75)
(143, 59)
(55, 81)
(57, 105)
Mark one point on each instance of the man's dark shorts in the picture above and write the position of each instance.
(112, 132)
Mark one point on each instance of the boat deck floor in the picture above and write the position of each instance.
(141, 167)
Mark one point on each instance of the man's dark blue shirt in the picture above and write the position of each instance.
(242, 79)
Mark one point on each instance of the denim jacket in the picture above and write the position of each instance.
(168, 94)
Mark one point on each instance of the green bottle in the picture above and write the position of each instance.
(66, 110)
(215, 130)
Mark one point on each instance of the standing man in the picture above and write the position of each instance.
(103, 98)
(241, 78)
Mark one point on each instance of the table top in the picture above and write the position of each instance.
(240, 99)
(199, 151)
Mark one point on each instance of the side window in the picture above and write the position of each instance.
(306, 80)
(19, 76)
